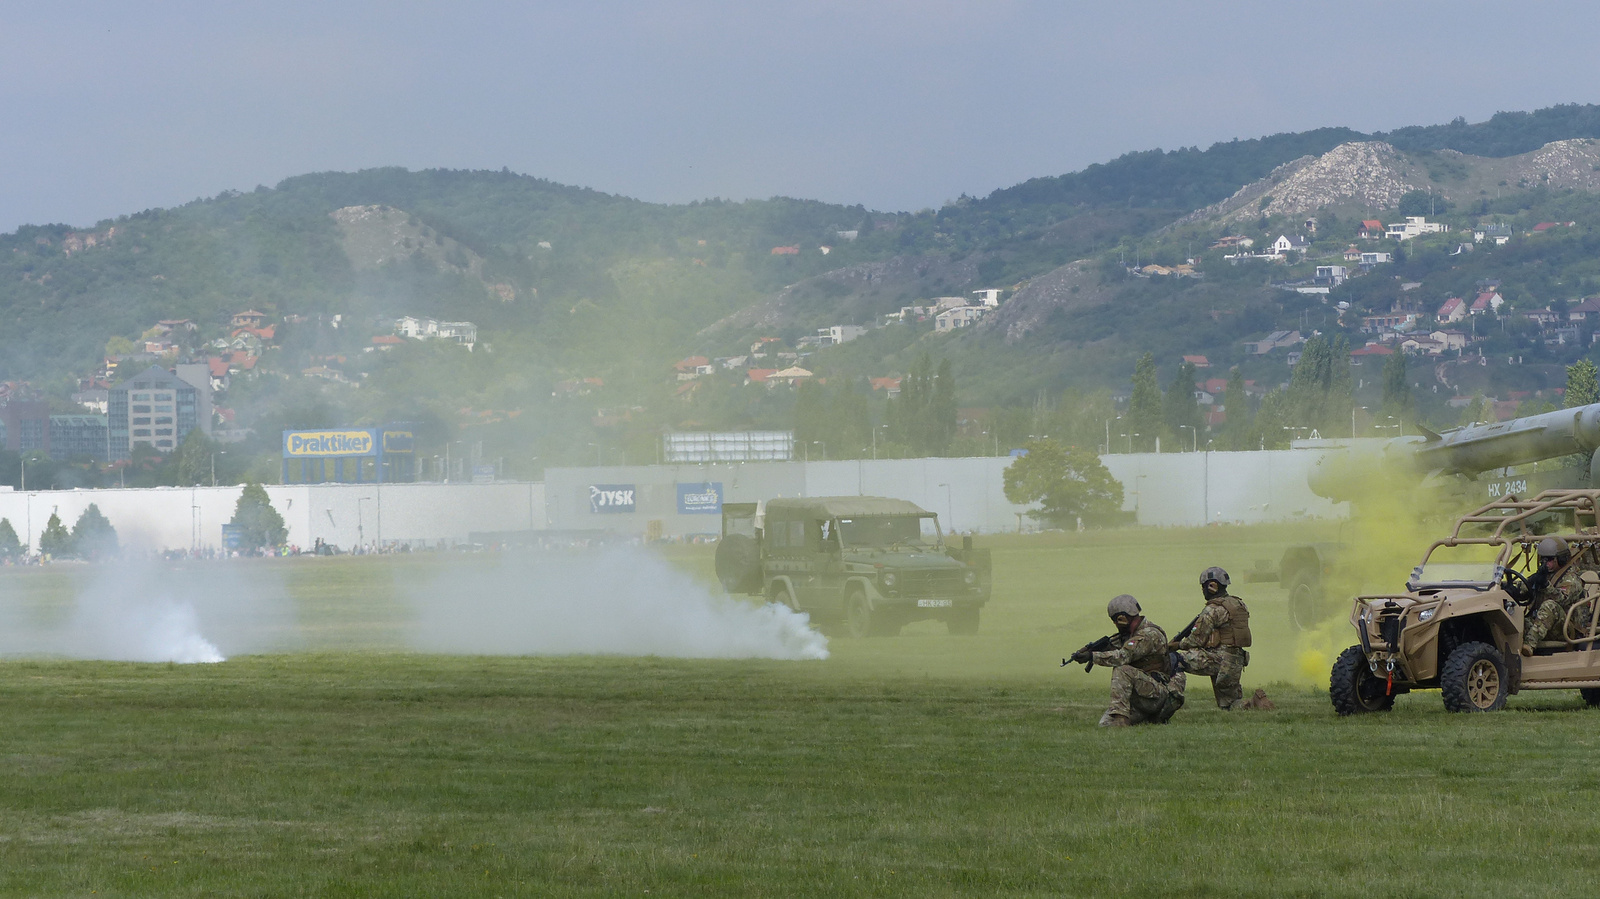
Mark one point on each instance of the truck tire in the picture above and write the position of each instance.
(1591, 695)
(779, 595)
(1475, 679)
(857, 614)
(1305, 602)
(963, 622)
(1353, 687)
(739, 564)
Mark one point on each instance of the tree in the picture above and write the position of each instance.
(923, 416)
(259, 524)
(1069, 483)
(195, 456)
(10, 547)
(55, 541)
(1144, 407)
(1180, 409)
(1236, 405)
(1319, 390)
(1397, 399)
(93, 537)
(1583, 384)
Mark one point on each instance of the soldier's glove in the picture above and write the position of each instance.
(1083, 657)
(1172, 645)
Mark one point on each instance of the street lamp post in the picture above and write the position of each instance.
(949, 508)
(824, 446)
(1195, 433)
(361, 534)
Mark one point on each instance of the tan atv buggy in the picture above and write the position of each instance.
(1459, 625)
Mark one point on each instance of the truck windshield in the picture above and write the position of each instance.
(905, 530)
(1472, 563)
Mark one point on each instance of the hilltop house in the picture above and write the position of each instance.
(959, 317)
(1273, 341)
(1371, 229)
(1488, 301)
(1452, 311)
(1413, 226)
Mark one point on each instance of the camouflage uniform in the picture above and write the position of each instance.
(1140, 686)
(1550, 609)
(1208, 650)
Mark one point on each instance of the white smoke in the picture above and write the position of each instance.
(610, 602)
(154, 612)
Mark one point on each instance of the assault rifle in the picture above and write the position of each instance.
(1085, 656)
(1188, 629)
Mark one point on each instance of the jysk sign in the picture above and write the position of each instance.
(610, 498)
(704, 498)
(313, 444)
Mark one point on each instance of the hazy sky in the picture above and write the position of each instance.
(114, 107)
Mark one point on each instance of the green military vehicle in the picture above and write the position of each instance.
(872, 563)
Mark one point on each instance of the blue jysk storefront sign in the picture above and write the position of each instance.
(607, 498)
(704, 498)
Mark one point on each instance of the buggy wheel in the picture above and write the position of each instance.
(1354, 688)
(1474, 679)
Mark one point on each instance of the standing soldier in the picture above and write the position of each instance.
(1144, 686)
(1214, 645)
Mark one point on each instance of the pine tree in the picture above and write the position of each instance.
(1144, 406)
(55, 541)
(259, 524)
(10, 546)
(1236, 404)
(93, 537)
(1180, 410)
(942, 411)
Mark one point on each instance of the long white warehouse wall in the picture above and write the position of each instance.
(166, 518)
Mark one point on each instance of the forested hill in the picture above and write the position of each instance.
(569, 283)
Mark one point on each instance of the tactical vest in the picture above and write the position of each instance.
(1236, 632)
(1155, 663)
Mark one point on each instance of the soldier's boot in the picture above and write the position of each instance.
(1259, 700)
(1115, 721)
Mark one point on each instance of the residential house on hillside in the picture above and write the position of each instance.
(1387, 321)
(1370, 350)
(1285, 244)
(693, 367)
(790, 376)
(1368, 260)
(1331, 275)
(1371, 229)
(1584, 310)
(1413, 226)
(1352, 253)
(1546, 226)
(464, 333)
(758, 375)
(959, 317)
(1545, 316)
(1198, 361)
(889, 386)
(1488, 301)
(988, 296)
(1273, 341)
(837, 334)
(1452, 311)
(249, 319)
(786, 251)
(385, 343)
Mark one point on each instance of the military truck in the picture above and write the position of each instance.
(870, 563)
(1456, 469)
(1459, 624)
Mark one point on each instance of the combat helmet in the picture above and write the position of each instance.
(1214, 573)
(1123, 605)
(1554, 547)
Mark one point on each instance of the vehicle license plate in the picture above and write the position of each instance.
(934, 603)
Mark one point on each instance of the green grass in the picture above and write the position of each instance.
(925, 765)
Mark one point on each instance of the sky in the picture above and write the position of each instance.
(113, 107)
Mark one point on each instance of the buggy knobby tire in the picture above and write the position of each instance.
(1353, 687)
(1474, 679)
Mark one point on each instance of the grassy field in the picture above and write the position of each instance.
(924, 765)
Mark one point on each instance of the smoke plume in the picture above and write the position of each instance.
(613, 602)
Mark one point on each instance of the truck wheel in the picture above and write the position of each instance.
(1354, 688)
(858, 617)
(738, 563)
(1591, 695)
(1474, 679)
(779, 595)
(963, 622)
(1305, 603)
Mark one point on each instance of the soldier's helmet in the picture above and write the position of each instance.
(1554, 547)
(1123, 605)
(1214, 574)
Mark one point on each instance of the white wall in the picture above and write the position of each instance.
(163, 518)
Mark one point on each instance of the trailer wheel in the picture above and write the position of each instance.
(1474, 679)
(1353, 687)
(1305, 602)
(1591, 695)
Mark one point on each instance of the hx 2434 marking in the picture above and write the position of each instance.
(1508, 488)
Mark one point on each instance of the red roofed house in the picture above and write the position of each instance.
(1488, 301)
(786, 251)
(387, 342)
(1589, 308)
(1372, 349)
(1215, 386)
(759, 375)
(1198, 361)
(890, 386)
(1546, 226)
(1371, 229)
(1452, 311)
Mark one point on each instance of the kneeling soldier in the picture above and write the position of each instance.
(1214, 645)
(1144, 686)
